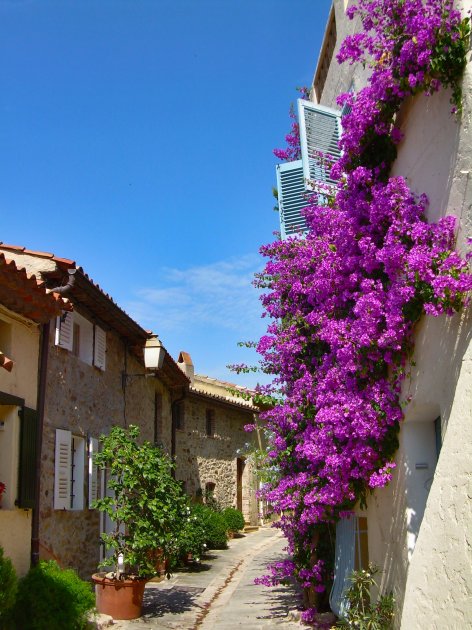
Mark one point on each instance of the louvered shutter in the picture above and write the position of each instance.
(62, 470)
(27, 467)
(100, 348)
(320, 132)
(292, 197)
(92, 472)
(65, 331)
(343, 564)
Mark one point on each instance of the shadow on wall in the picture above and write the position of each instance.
(428, 155)
(399, 508)
(441, 343)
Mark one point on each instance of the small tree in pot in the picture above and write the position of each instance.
(147, 508)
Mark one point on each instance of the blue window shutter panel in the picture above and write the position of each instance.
(292, 198)
(320, 132)
(343, 564)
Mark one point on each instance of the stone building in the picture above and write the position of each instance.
(25, 311)
(210, 442)
(417, 530)
(95, 379)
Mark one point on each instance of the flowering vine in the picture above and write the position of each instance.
(345, 299)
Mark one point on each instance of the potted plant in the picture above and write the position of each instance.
(2, 490)
(147, 509)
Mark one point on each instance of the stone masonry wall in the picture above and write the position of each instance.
(203, 459)
(88, 402)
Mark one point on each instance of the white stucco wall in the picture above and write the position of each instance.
(420, 526)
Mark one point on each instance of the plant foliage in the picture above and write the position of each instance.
(344, 300)
(147, 505)
(51, 598)
(234, 519)
(8, 588)
(362, 614)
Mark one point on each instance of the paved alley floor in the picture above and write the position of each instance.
(222, 594)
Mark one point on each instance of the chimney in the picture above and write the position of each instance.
(185, 364)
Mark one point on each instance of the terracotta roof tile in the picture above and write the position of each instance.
(23, 250)
(24, 294)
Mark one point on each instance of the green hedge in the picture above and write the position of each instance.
(50, 598)
(215, 527)
(8, 588)
(234, 519)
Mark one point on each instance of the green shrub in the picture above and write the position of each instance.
(192, 536)
(214, 525)
(362, 614)
(8, 588)
(234, 519)
(146, 500)
(50, 598)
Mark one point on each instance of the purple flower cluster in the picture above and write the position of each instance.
(413, 46)
(345, 299)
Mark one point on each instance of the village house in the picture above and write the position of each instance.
(96, 378)
(103, 370)
(417, 530)
(26, 309)
(211, 445)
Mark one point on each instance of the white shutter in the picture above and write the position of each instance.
(92, 472)
(65, 331)
(343, 564)
(62, 470)
(291, 197)
(100, 348)
(320, 132)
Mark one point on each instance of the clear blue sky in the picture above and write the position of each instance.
(136, 137)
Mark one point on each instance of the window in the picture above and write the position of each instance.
(361, 560)
(82, 338)
(320, 131)
(352, 553)
(292, 198)
(346, 107)
(210, 422)
(93, 492)
(178, 416)
(69, 467)
(27, 467)
(157, 419)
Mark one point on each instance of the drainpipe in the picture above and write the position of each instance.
(43, 366)
(66, 287)
(42, 381)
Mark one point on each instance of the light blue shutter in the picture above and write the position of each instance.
(320, 132)
(343, 564)
(292, 197)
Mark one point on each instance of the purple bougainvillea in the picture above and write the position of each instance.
(344, 300)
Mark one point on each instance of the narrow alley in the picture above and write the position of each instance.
(222, 594)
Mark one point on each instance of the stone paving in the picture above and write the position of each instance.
(221, 594)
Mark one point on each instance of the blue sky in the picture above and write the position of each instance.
(136, 138)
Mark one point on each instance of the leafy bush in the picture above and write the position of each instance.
(51, 598)
(214, 526)
(362, 614)
(192, 536)
(8, 588)
(234, 519)
(146, 499)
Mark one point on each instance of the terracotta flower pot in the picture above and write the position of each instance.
(122, 599)
(160, 562)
